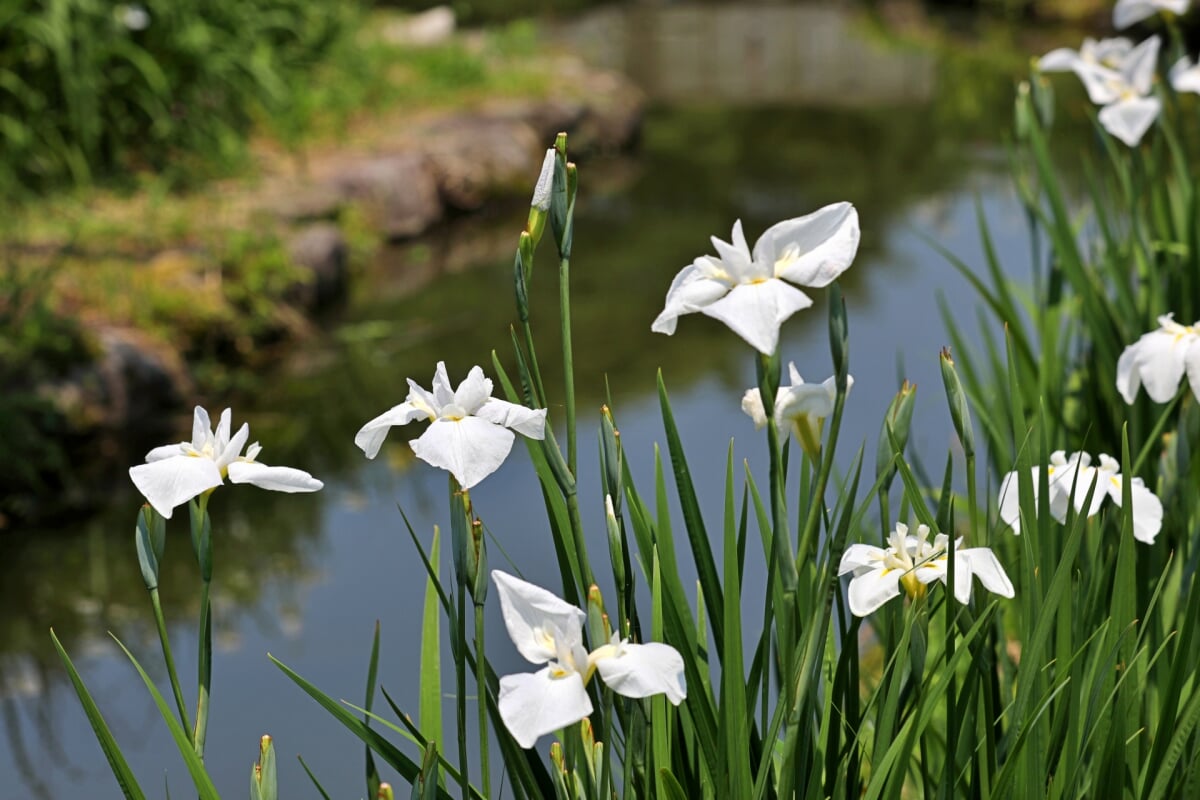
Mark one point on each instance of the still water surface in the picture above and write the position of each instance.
(305, 577)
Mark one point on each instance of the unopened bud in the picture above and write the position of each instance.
(960, 415)
(263, 784)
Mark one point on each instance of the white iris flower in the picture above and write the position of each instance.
(1159, 360)
(1076, 473)
(911, 562)
(1102, 53)
(752, 291)
(548, 630)
(1123, 91)
(1185, 76)
(802, 406)
(1129, 12)
(175, 473)
(469, 435)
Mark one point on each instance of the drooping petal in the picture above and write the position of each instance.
(533, 704)
(812, 250)
(1160, 364)
(1062, 59)
(1128, 379)
(277, 479)
(534, 615)
(173, 481)
(755, 311)
(861, 557)
(1185, 76)
(167, 451)
(869, 590)
(1010, 500)
(470, 448)
(1129, 119)
(525, 421)
(642, 670)
(1130, 12)
(985, 566)
(1147, 511)
(1192, 364)
(752, 405)
(474, 391)
(370, 436)
(692, 290)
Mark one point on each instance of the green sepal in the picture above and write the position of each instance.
(151, 540)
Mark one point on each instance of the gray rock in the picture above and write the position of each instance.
(398, 192)
(474, 157)
(321, 249)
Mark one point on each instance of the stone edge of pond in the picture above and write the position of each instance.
(438, 168)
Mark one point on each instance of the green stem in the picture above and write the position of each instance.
(202, 544)
(585, 567)
(482, 701)
(161, 622)
(535, 372)
(564, 302)
(461, 680)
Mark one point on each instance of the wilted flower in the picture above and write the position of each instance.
(1075, 473)
(802, 406)
(547, 630)
(752, 292)
(175, 473)
(1159, 359)
(1129, 12)
(469, 435)
(912, 562)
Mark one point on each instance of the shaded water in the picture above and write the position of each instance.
(305, 577)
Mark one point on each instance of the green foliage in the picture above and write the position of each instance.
(89, 88)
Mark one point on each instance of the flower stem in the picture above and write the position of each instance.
(482, 701)
(161, 622)
(461, 680)
(564, 302)
(202, 544)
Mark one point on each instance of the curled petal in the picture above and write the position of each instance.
(812, 250)
(1010, 500)
(1147, 511)
(1139, 65)
(1160, 362)
(1103, 85)
(525, 421)
(167, 451)
(173, 481)
(861, 557)
(1192, 362)
(869, 590)
(370, 436)
(692, 290)
(755, 311)
(983, 564)
(1185, 76)
(752, 405)
(533, 704)
(470, 448)
(443, 392)
(1128, 379)
(532, 614)
(277, 479)
(642, 670)
(816, 399)
(1063, 59)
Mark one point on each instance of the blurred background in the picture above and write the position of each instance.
(290, 207)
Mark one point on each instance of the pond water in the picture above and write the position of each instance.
(305, 577)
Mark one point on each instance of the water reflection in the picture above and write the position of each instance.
(305, 576)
